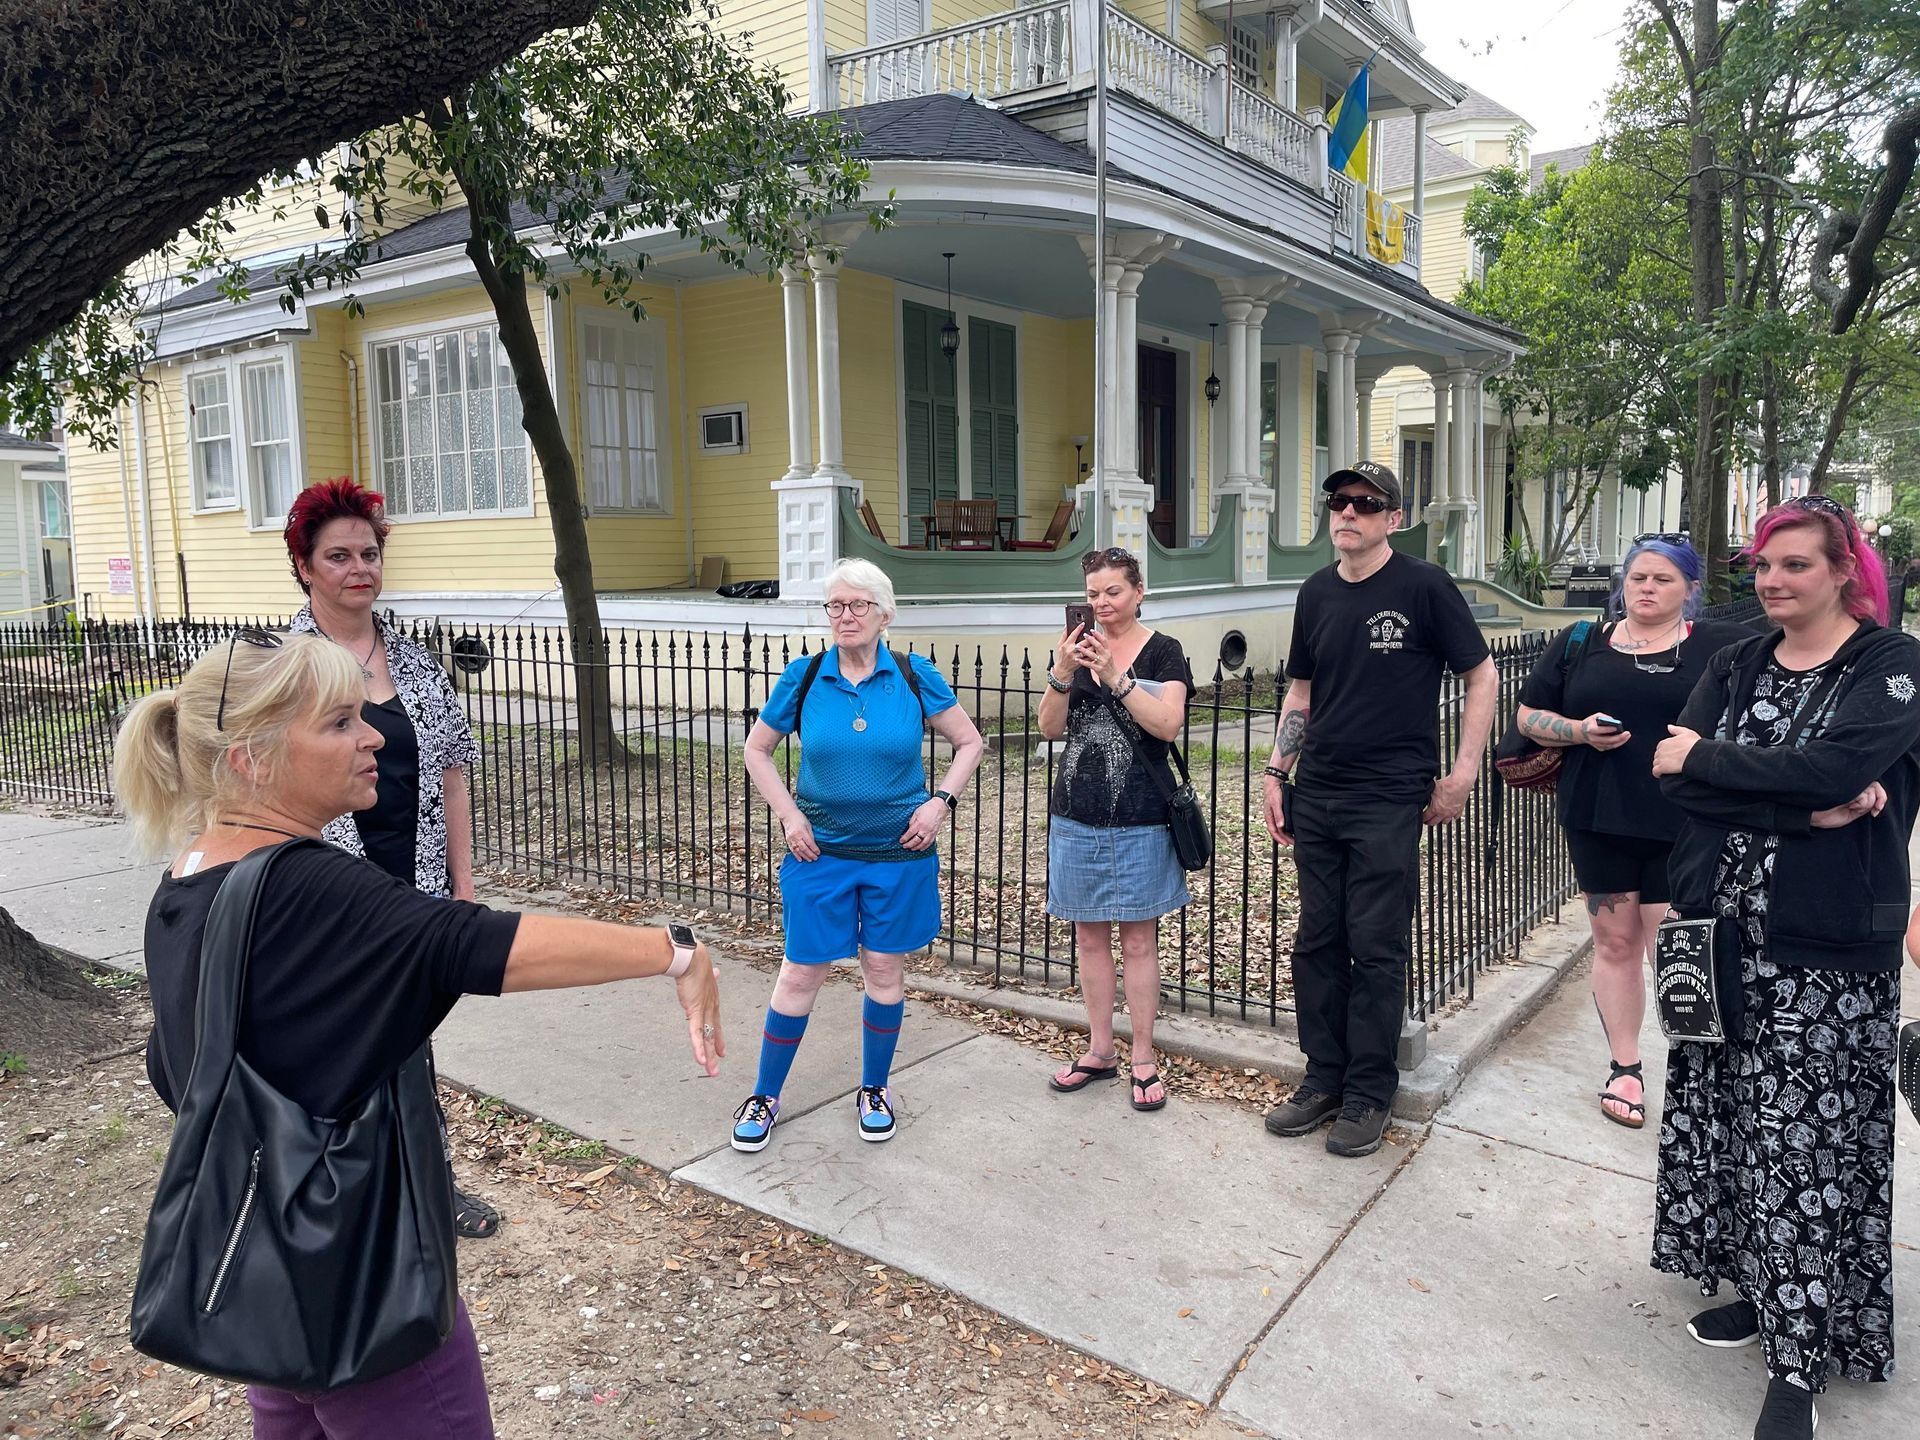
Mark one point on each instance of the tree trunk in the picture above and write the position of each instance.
(1770, 431)
(126, 123)
(1836, 423)
(540, 417)
(1707, 246)
(50, 1015)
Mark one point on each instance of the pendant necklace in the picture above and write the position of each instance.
(860, 703)
(365, 662)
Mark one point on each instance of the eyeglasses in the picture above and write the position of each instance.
(1819, 504)
(1667, 537)
(255, 636)
(1363, 504)
(856, 608)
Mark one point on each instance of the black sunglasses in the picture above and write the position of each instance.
(1112, 555)
(1670, 537)
(1364, 504)
(1820, 504)
(253, 635)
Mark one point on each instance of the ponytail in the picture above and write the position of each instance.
(147, 774)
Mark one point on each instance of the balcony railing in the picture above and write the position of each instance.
(1349, 213)
(1169, 78)
(1276, 137)
(1017, 51)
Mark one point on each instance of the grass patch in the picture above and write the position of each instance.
(114, 1131)
(12, 1062)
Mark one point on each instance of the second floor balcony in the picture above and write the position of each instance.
(1178, 119)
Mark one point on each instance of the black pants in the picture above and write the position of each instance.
(1359, 883)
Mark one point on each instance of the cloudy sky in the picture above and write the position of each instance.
(1550, 61)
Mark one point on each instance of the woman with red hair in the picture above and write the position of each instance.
(420, 827)
(1797, 765)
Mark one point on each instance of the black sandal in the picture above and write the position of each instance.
(1628, 1072)
(1088, 1074)
(1143, 1084)
(474, 1218)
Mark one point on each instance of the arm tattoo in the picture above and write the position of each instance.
(1540, 722)
(1610, 902)
(1293, 734)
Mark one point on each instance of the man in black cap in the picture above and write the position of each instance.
(1361, 719)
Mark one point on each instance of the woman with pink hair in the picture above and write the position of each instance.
(1797, 764)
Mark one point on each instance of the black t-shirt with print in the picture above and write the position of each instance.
(349, 973)
(1374, 651)
(1102, 776)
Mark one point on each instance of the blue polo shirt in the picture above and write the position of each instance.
(859, 788)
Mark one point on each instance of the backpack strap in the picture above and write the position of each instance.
(902, 662)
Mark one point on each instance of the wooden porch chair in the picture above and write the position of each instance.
(976, 525)
(1056, 530)
(873, 526)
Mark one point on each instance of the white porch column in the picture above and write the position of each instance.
(1126, 369)
(1286, 68)
(826, 304)
(1341, 348)
(1441, 504)
(1236, 308)
(1363, 409)
(793, 288)
(1461, 502)
(1419, 161)
(1256, 325)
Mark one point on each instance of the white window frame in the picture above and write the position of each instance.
(247, 497)
(374, 342)
(653, 353)
(201, 504)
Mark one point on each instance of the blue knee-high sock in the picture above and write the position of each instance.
(879, 1036)
(778, 1044)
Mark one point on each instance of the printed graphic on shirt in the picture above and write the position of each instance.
(1900, 687)
(1388, 630)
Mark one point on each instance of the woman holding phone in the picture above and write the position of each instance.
(1606, 694)
(1118, 692)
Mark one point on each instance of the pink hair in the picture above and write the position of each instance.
(1865, 594)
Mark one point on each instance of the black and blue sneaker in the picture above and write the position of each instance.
(753, 1122)
(876, 1112)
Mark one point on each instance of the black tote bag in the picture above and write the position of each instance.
(285, 1249)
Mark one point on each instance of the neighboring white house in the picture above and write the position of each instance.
(33, 544)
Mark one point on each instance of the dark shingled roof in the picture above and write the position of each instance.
(11, 441)
(1477, 107)
(1573, 158)
(952, 127)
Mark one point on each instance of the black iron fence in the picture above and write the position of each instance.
(649, 797)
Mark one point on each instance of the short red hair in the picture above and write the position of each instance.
(321, 503)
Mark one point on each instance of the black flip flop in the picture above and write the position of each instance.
(474, 1218)
(1142, 1084)
(1089, 1074)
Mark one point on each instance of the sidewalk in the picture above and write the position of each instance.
(1487, 1275)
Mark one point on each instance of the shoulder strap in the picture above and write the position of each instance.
(905, 666)
(1576, 644)
(1157, 774)
(806, 684)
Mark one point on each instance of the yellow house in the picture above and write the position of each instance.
(750, 424)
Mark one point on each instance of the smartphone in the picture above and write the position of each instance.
(1081, 615)
(1609, 721)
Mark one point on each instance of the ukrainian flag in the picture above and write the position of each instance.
(1347, 141)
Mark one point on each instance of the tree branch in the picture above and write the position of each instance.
(1858, 236)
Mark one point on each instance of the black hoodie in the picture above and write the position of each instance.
(1839, 898)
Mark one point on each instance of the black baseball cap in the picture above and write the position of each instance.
(1370, 472)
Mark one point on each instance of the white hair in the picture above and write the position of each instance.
(866, 577)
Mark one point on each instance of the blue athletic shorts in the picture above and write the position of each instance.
(831, 907)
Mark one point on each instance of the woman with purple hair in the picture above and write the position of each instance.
(1606, 695)
(1797, 764)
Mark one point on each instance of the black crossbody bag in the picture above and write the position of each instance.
(283, 1249)
(1909, 1065)
(1696, 980)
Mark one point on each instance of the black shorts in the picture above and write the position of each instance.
(1620, 865)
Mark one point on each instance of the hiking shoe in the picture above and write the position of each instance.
(753, 1122)
(1728, 1327)
(1789, 1413)
(875, 1103)
(1303, 1113)
(1359, 1130)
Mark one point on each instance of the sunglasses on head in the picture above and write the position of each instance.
(1362, 504)
(1669, 537)
(1112, 555)
(255, 636)
(1820, 505)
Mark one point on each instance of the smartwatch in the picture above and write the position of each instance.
(683, 941)
(952, 804)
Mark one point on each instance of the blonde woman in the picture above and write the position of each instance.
(350, 969)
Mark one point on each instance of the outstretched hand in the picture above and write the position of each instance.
(699, 993)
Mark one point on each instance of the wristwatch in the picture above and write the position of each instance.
(684, 942)
(952, 804)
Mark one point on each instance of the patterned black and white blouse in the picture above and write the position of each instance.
(445, 738)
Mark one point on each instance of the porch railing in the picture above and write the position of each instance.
(1349, 213)
(667, 813)
(1018, 50)
(1276, 137)
(1169, 78)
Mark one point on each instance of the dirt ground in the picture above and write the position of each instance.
(614, 1302)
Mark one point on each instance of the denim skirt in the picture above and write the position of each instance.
(1116, 872)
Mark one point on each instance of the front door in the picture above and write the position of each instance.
(932, 415)
(994, 425)
(1159, 439)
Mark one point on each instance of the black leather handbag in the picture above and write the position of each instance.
(1192, 841)
(1697, 987)
(285, 1249)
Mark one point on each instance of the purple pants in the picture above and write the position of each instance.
(443, 1397)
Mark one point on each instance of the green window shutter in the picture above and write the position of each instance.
(994, 425)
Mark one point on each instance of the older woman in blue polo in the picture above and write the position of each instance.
(861, 878)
